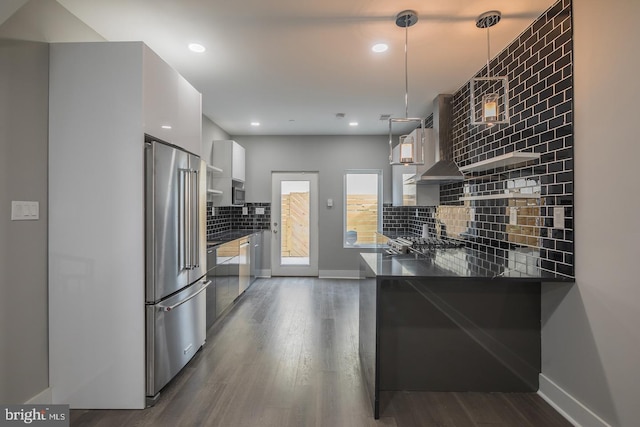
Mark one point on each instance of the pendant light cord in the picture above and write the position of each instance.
(406, 72)
(488, 52)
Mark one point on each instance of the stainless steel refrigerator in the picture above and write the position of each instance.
(175, 192)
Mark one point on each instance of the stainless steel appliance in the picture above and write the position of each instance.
(175, 216)
(420, 245)
(244, 265)
(238, 196)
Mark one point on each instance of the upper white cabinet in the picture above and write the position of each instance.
(229, 156)
(403, 191)
(404, 178)
(172, 107)
(237, 162)
(226, 170)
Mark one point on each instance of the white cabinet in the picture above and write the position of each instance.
(237, 162)
(228, 171)
(103, 97)
(405, 191)
(172, 107)
(229, 156)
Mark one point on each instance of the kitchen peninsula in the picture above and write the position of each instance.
(456, 319)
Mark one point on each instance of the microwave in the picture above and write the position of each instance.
(237, 196)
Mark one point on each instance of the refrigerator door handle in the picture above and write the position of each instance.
(189, 230)
(162, 307)
(182, 221)
(195, 229)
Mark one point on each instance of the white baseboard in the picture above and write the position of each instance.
(339, 274)
(45, 397)
(568, 406)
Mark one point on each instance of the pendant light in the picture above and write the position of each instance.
(408, 149)
(489, 95)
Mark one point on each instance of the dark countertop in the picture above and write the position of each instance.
(461, 263)
(229, 236)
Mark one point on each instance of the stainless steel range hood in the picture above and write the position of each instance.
(442, 168)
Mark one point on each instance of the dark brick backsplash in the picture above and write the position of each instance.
(407, 220)
(229, 218)
(539, 65)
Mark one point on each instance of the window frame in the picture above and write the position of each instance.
(380, 176)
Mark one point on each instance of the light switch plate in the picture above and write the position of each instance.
(25, 211)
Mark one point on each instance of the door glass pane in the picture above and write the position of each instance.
(294, 220)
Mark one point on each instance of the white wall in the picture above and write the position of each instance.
(212, 132)
(591, 336)
(24, 69)
(330, 156)
(24, 74)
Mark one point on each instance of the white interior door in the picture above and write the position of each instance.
(294, 223)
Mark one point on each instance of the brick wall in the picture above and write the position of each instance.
(539, 65)
(228, 218)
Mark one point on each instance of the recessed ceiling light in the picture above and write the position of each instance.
(353, 123)
(165, 127)
(380, 47)
(255, 123)
(196, 47)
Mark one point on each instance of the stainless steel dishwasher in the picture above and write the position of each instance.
(244, 265)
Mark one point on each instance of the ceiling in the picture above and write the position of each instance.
(292, 65)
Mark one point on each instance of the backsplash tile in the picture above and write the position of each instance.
(407, 220)
(227, 218)
(539, 65)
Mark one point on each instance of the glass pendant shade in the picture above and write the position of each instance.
(490, 107)
(489, 100)
(407, 148)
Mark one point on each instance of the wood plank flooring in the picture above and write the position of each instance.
(287, 355)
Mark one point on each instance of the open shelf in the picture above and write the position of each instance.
(508, 159)
(500, 196)
(213, 169)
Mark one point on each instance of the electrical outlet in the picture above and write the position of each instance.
(472, 214)
(213, 211)
(259, 211)
(416, 213)
(558, 217)
(245, 210)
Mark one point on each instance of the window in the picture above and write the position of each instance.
(362, 207)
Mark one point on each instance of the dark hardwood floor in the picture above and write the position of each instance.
(287, 355)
